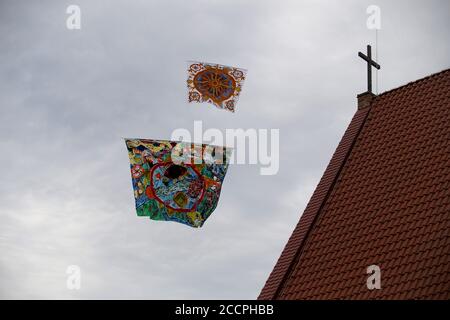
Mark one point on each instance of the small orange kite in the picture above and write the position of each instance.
(215, 83)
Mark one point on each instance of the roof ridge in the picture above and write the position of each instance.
(293, 248)
(414, 82)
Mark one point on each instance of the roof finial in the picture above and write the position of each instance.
(370, 63)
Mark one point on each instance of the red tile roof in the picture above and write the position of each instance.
(384, 199)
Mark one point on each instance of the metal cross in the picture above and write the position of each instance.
(370, 63)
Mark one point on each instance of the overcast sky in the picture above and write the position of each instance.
(68, 96)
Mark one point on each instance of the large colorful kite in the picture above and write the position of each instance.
(176, 181)
(215, 83)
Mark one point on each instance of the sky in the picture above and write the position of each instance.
(68, 97)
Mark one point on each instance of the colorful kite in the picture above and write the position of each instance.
(176, 181)
(214, 83)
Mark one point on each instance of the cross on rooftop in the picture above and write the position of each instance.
(370, 63)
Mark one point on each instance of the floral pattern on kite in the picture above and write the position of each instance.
(176, 181)
(215, 83)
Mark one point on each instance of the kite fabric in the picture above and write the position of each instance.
(176, 181)
(215, 83)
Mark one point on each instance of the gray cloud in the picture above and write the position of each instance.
(68, 97)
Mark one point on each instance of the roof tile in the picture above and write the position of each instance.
(383, 199)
